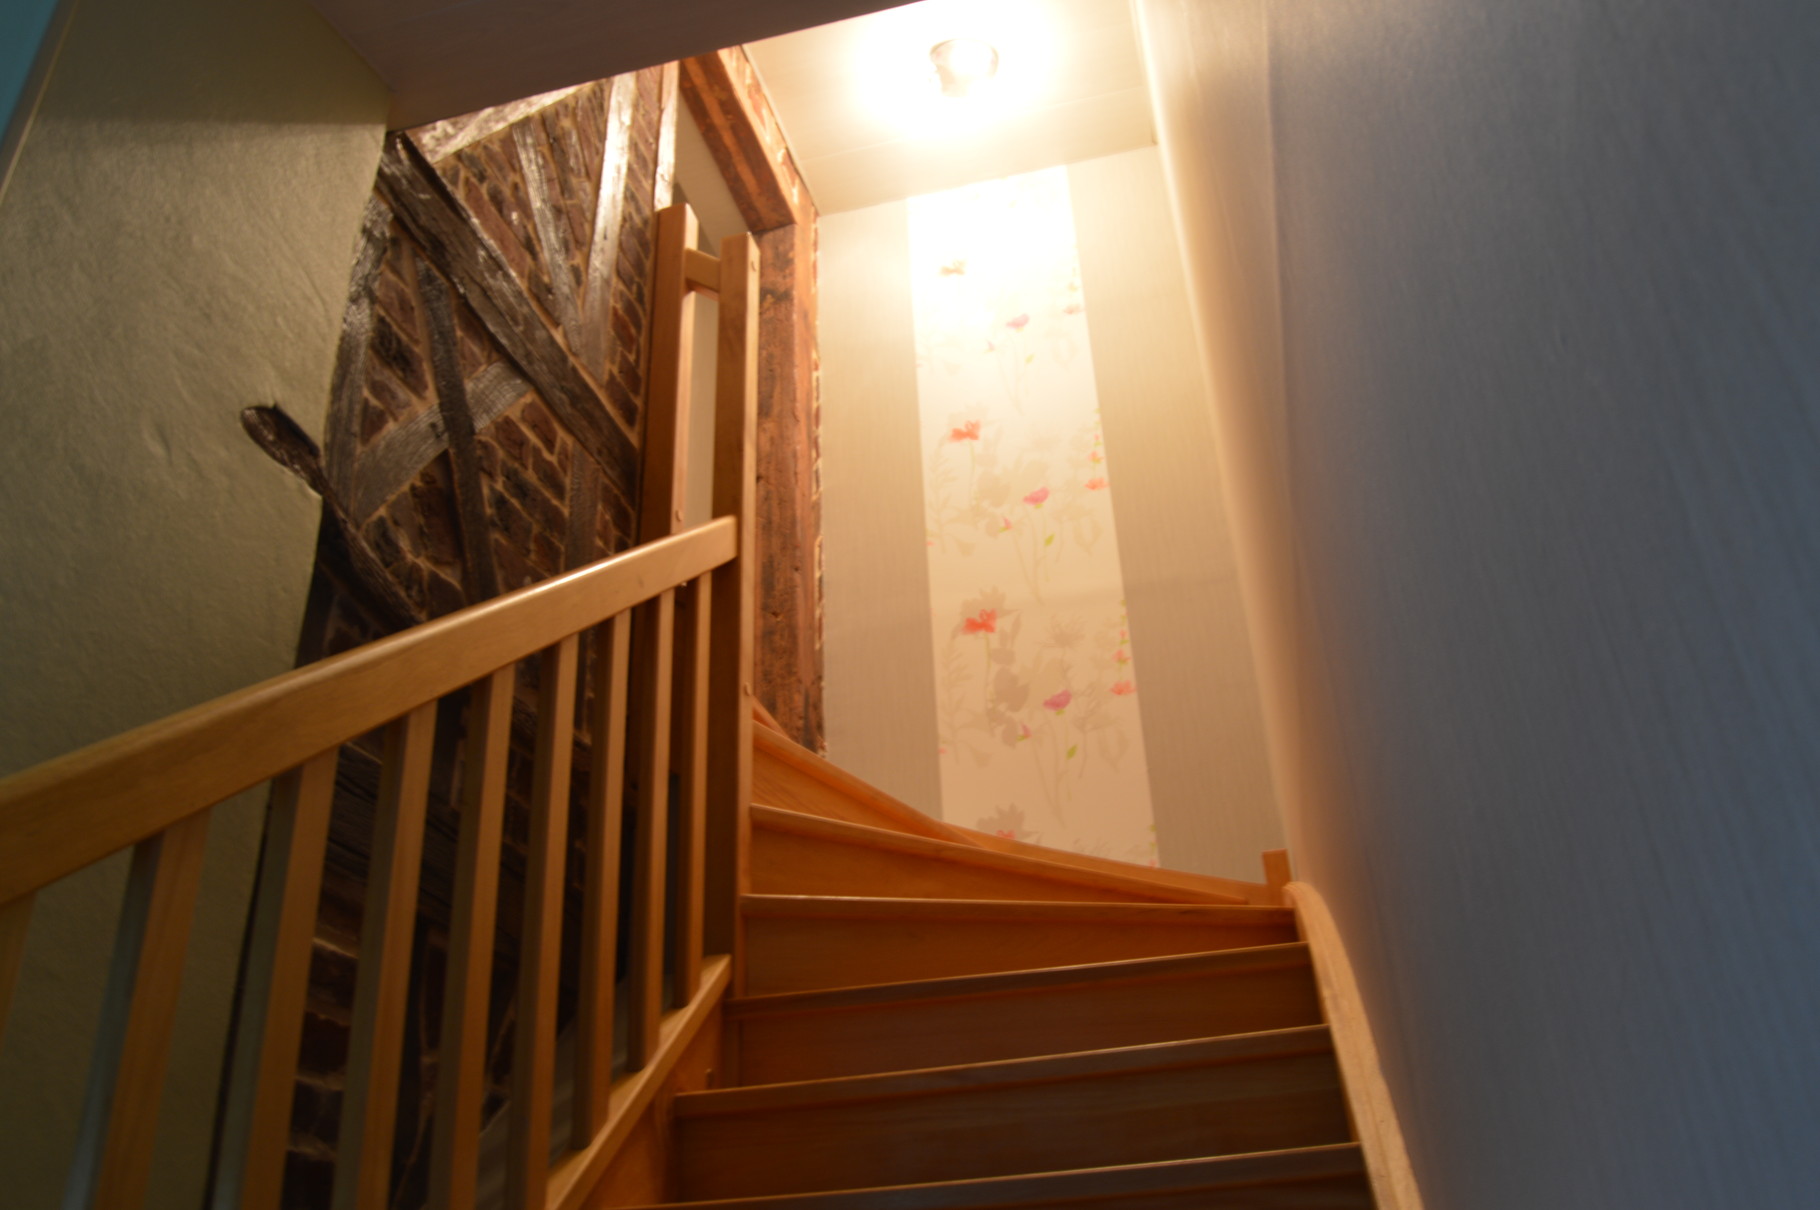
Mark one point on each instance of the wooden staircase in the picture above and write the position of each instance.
(931, 1021)
(827, 998)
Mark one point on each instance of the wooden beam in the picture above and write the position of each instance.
(341, 550)
(478, 574)
(402, 451)
(552, 239)
(745, 139)
(701, 272)
(609, 216)
(455, 245)
(663, 177)
(788, 674)
(341, 433)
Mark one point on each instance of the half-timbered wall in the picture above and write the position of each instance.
(482, 434)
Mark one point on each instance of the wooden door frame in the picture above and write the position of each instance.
(729, 104)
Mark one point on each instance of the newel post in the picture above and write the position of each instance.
(730, 696)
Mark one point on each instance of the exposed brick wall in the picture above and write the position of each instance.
(540, 520)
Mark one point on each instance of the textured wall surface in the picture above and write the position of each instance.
(1210, 784)
(174, 246)
(1540, 638)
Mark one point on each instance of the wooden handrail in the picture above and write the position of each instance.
(57, 817)
(669, 627)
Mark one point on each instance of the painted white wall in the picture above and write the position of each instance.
(1510, 317)
(878, 687)
(174, 246)
(1210, 778)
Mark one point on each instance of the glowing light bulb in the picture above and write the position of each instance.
(963, 65)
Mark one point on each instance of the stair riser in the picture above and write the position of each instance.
(776, 784)
(1136, 1117)
(788, 864)
(787, 953)
(902, 1037)
(1346, 1193)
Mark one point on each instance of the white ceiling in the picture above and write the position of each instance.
(442, 58)
(866, 126)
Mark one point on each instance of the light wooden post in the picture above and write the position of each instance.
(256, 1115)
(730, 639)
(363, 1155)
(600, 895)
(665, 489)
(540, 936)
(461, 1075)
(126, 1075)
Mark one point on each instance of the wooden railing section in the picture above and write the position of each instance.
(670, 624)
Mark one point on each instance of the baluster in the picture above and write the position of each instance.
(363, 1159)
(730, 683)
(461, 1073)
(692, 761)
(645, 984)
(600, 905)
(540, 946)
(256, 1115)
(126, 1074)
(15, 919)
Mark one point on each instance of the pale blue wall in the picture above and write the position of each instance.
(23, 24)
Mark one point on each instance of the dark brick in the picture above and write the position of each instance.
(316, 1110)
(511, 438)
(537, 418)
(546, 555)
(331, 976)
(553, 479)
(397, 355)
(381, 536)
(383, 389)
(510, 522)
(435, 507)
(373, 420)
(325, 1045)
(395, 301)
(514, 570)
(443, 594)
(309, 1181)
(622, 400)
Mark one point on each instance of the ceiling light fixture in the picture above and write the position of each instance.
(962, 65)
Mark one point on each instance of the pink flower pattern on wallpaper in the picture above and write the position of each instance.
(1037, 722)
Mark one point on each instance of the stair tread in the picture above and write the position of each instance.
(904, 818)
(1229, 961)
(1088, 1064)
(842, 831)
(855, 907)
(1080, 1184)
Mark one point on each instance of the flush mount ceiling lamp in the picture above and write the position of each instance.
(964, 67)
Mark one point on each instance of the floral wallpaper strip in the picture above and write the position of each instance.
(1035, 681)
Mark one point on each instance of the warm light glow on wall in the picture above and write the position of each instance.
(894, 79)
